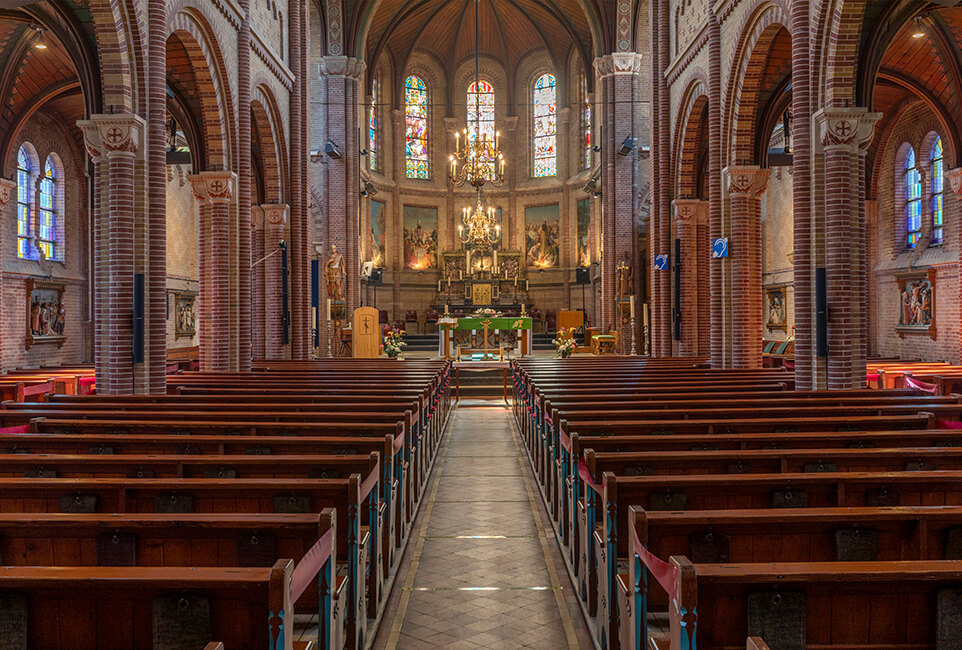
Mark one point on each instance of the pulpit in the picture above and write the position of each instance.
(366, 333)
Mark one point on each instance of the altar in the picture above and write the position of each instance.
(484, 333)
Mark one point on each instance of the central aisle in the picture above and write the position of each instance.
(481, 572)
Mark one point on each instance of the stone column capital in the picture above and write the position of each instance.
(213, 186)
(275, 214)
(619, 63)
(450, 123)
(851, 129)
(7, 189)
(747, 179)
(257, 217)
(511, 123)
(690, 210)
(954, 176)
(342, 66)
(106, 134)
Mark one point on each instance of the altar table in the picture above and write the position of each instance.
(447, 326)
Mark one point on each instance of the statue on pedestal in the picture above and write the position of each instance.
(625, 277)
(334, 274)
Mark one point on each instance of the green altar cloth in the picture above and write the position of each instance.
(497, 323)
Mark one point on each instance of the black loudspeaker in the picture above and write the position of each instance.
(285, 307)
(676, 313)
(582, 275)
(821, 313)
(138, 317)
(377, 278)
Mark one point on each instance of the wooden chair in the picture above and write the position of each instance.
(431, 316)
(550, 321)
(411, 316)
(536, 317)
(382, 316)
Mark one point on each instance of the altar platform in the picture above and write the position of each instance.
(482, 333)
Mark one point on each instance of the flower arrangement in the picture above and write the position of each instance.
(564, 343)
(393, 344)
(487, 312)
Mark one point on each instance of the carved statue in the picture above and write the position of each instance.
(625, 278)
(334, 274)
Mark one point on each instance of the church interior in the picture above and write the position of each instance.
(601, 324)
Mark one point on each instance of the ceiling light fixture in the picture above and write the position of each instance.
(40, 44)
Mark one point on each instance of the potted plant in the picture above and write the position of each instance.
(393, 344)
(564, 343)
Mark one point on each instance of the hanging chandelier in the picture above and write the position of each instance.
(479, 226)
(480, 156)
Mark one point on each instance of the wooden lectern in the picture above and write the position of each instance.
(366, 334)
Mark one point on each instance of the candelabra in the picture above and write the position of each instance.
(478, 226)
(481, 158)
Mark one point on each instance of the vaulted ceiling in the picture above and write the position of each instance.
(509, 30)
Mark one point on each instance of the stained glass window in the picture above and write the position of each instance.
(47, 226)
(481, 118)
(372, 129)
(938, 169)
(586, 122)
(545, 126)
(416, 128)
(23, 203)
(913, 200)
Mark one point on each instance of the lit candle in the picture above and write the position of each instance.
(460, 274)
(328, 309)
(644, 315)
(497, 139)
(632, 310)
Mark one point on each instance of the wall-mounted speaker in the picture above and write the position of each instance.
(582, 275)
(138, 317)
(821, 313)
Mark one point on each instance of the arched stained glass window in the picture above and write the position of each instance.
(47, 223)
(481, 117)
(372, 142)
(416, 128)
(913, 200)
(24, 172)
(938, 169)
(545, 102)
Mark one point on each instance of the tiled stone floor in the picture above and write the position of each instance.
(482, 569)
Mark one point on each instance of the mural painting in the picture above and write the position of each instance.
(420, 237)
(584, 232)
(542, 229)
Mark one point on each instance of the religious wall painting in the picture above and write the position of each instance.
(185, 315)
(378, 229)
(916, 303)
(542, 228)
(776, 307)
(584, 232)
(45, 314)
(420, 237)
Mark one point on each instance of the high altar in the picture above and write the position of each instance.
(473, 279)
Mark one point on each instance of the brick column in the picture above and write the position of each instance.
(803, 276)
(7, 189)
(258, 290)
(156, 281)
(115, 140)
(203, 268)
(216, 189)
(616, 74)
(688, 220)
(659, 225)
(843, 134)
(301, 237)
(275, 225)
(954, 177)
(717, 268)
(745, 185)
(241, 355)
(342, 181)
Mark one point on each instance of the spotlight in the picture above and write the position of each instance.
(332, 150)
(918, 35)
(590, 186)
(626, 146)
(370, 188)
(40, 44)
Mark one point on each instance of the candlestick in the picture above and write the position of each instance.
(633, 326)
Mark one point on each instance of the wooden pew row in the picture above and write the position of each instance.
(354, 500)
(171, 540)
(605, 538)
(840, 605)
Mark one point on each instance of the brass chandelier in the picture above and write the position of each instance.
(481, 158)
(479, 226)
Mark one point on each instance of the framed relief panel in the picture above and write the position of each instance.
(46, 318)
(916, 303)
